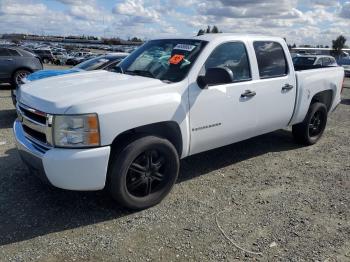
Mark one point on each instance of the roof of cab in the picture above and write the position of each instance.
(210, 37)
(214, 37)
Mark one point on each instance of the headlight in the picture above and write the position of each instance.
(76, 130)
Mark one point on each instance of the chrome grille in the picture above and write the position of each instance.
(37, 126)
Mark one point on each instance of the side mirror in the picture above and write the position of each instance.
(215, 76)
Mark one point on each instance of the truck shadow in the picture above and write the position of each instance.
(30, 209)
(5, 86)
(7, 117)
(209, 161)
(345, 102)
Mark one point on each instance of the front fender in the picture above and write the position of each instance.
(136, 109)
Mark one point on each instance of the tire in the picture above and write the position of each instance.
(311, 129)
(143, 172)
(18, 76)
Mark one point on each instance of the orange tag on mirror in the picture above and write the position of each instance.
(175, 59)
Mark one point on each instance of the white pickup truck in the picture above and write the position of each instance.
(171, 98)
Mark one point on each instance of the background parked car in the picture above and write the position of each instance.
(60, 58)
(45, 55)
(104, 62)
(345, 63)
(77, 58)
(308, 61)
(16, 64)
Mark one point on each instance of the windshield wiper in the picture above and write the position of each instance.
(140, 73)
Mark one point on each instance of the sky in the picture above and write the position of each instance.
(299, 21)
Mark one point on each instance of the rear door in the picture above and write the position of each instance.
(276, 88)
(7, 64)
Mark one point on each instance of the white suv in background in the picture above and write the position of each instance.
(314, 60)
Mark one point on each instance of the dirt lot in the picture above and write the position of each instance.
(269, 195)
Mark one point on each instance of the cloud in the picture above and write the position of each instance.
(345, 10)
(16, 8)
(301, 21)
(84, 12)
(324, 2)
(75, 2)
(136, 12)
(247, 9)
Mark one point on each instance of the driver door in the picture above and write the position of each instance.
(220, 115)
(7, 64)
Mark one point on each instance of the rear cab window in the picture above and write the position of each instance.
(271, 59)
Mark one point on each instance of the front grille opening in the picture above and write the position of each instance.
(35, 134)
(33, 116)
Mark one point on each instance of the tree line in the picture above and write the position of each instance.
(209, 30)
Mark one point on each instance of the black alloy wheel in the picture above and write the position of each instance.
(146, 174)
(143, 172)
(311, 129)
(316, 124)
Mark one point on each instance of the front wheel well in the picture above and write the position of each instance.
(324, 97)
(169, 130)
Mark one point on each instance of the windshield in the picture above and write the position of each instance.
(304, 60)
(93, 64)
(168, 59)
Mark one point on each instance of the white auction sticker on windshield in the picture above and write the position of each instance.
(185, 47)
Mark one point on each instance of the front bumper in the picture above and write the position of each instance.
(72, 169)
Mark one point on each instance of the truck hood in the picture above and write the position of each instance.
(56, 94)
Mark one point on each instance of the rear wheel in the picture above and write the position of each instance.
(144, 172)
(311, 129)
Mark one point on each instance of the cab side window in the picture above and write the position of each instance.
(232, 56)
(271, 59)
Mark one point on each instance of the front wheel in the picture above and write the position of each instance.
(144, 172)
(311, 129)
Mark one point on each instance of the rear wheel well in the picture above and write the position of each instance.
(169, 130)
(324, 97)
(20, 68)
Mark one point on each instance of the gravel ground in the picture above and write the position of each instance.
(269, 195)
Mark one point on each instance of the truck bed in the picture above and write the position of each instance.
(309, 67)
(313, 81)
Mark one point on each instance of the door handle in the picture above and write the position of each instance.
(9, 59)
(287, 87)
(248, 93)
